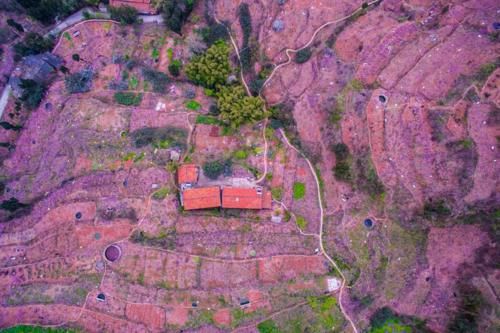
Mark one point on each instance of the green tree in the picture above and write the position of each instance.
(33, 93)
(175, 67)
(213, 169)
(236, 108)
(124, 14)
(212, 68)
(33, 43)
(176, 12)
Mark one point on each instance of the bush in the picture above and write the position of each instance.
(79, 82)
(159, 80)
(176, 12)
(193, 105)
(175, 67)
(466, 318)
(75, 57)
(15, 25)
(299, 190)
(301, 222)
(201, 119)
(303, 55)
(33, 93)
(166, 137)
(12, 204)
(268, 326)
(342, 171)
(246, 27)
(33, 43)
(236, 108)
(341, 151)
(128, 98)
(124, 14)
(214, 32)
(212, 68)
(240, 154)
(436, 210)
(277, 193)
(213, 169)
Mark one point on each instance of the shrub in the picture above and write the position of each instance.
(124, 14)
(299, 190)
(268, 326)
(8, 126)
(33, 93)
(79, 82)
(175, 67)
(214, 32)
(212, 68)
(201, 119)
(240, 154)
(213, 110)
(467, 316)
(161, 193)
(159, 80)
(341, 151)
(277, 193)
(303, 55)
(166, 137)
(75, 57)
(15, 25)
(436, 210)
(193, 105)
(33, 43)
(12, 204)
(128, 98)
(176, 12)
(301, 222)
(246, 26)
(236, 108)
(213, 169)
(342, 171)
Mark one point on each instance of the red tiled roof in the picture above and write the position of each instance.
(245, 198)
(200, 198)
(187, 173)
(143, 6)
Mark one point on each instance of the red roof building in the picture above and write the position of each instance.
(142, 6)
(246, 198)
(188, 174)
(201, 198)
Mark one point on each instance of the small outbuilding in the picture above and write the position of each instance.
(201, 198)
(188, 174)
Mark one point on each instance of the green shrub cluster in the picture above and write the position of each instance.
(211, 69)
(268, 326)
(236, 108)
(33, 43)
(46, 11)
(158, 80)
(79, 82)
(33, 93)
(213, 169)
(342, 169)
(176, 12)
(128, 98)
(165, 137)
(124, 14)
(299, 190)
(386, 320)
(246, 27)
(165, 239)
(175, 67)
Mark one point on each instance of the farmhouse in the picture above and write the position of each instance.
(142, 6)
(218, 195)
(201, 198)
(246, 198)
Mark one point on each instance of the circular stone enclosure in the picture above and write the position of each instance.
(113, 253)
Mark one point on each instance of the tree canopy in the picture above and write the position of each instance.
(212, 68)
(33, 43)
(236, 108)
(176, 12)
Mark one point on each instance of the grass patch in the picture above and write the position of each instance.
(193, 105)
(299, 190)
(207, 120)
(301, 222)
(128, 98)
(268, 326)
(36, 329)
(161, 193)
(240, 154)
